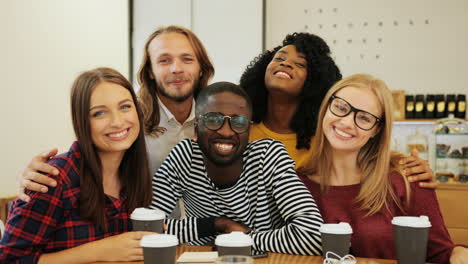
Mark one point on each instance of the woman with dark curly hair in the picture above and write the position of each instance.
(297, 74)
(287, 85)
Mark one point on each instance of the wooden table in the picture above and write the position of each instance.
(273, 258)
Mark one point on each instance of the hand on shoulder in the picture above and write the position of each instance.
(33, 177)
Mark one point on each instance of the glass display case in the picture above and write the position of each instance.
(451, 150)
(419, 142)
(451, 196)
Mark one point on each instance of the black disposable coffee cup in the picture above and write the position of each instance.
(159, 248)
(235, 243)
(336, 238)
(151, 220)
(411, 235)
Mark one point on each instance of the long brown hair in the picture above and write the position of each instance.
(133, 170)
(148, 86)
(375, 158)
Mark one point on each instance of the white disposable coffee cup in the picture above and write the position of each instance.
(159, 248)
(235, 243)
(411, 235)
(144, 219)
(336, 238)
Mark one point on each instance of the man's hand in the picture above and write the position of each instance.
(417, 169)
(459, 255)
(32, 178)
(225, 225)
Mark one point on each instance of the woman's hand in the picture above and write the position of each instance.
(123, 247)
(33, 177)
(459, 255)
(417, 169)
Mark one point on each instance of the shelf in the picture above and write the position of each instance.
(451, 134)
(449, 158)
(452, 186)
(415, 122)
(418, 121)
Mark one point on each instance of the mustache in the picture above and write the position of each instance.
(229, 140)
(179, 78)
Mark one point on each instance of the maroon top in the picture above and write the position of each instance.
(373, 235)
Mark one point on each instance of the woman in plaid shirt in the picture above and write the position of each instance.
(102, 178)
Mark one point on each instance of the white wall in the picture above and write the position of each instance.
(231, 31)
(418, 46)
(44, 46)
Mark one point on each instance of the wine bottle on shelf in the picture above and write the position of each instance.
(430, 106)
(440, 106)
(451, 104)
(419, 106)
(409, 106)
(461, 106)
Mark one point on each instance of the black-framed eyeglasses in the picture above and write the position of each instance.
(215, 120)
(363, 119)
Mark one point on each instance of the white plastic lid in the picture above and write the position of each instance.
(341, 228)
(145, 214)
(411, 221)
(234, 239)
(159, 241)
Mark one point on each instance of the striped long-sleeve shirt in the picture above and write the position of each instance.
(268, 197)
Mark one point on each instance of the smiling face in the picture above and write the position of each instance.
(224, 146)
(174, 65)
(286, 72)
(113, 118)
(342, 132)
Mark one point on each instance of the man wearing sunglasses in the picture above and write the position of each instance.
(228, 184)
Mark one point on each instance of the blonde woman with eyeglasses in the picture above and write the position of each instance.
(353, 179)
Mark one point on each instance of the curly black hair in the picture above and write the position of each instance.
(322, 73)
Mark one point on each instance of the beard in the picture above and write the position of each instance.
(176, 97)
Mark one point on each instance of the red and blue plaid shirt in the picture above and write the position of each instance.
(51, 221)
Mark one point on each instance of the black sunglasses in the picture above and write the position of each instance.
(215, 120)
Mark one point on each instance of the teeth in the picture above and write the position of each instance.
(116, 135)
(224, 147)
(341, 133)
(280, 73)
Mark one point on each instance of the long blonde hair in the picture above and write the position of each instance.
(375, 158)
(147, 92)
